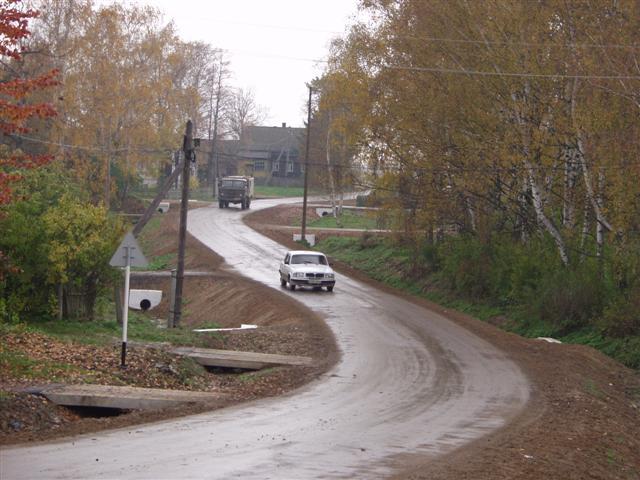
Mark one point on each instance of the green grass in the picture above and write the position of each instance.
(206, 194)
(348, 219)
(102, 332)
(267, 191)
(161, 262)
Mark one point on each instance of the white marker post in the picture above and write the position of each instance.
(125, 308)
(128, 254)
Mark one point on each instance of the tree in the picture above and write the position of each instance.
(244, 111)
(129, 83)
(81, 239)
(15, 92)
(490, 116)
(217, 106)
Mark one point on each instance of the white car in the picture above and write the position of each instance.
(306, 268)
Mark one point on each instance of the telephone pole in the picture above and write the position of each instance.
(306, 171)
(188, 150)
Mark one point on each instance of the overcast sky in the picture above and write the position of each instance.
(272, 44)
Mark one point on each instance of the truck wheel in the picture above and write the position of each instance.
(283, 282)
(330, 288)
(220, 204)
(248, 202)
(292, 287)
(226, 204)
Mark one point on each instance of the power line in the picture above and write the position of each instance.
(93, 148)
(452, 70)
(433, 39)
(520, 44)
(510, 74)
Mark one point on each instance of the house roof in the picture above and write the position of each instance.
(222, 146)
(259, 143)
(272, 139)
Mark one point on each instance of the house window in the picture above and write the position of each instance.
(258, 165)
(289, 167)
(275, 166)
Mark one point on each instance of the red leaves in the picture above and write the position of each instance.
(15, 112)
(19, 87)
(13, 27)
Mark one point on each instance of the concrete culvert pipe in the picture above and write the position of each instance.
(144, 299)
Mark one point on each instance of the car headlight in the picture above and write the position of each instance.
(298, 274)
(329, 275)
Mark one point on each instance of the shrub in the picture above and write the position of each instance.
(81, 239)
(465, 261)
(571, 297)
(621, 318)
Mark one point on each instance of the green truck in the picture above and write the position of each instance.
(235, 189)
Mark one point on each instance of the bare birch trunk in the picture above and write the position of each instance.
(595, 201)
(570, 175)
(332, 186)
(535, 189)
(472, 213)
(542, 217)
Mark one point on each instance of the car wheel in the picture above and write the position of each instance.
(291, 285)
(330, 288)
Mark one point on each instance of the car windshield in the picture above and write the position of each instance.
(309, 259)
(233, 183)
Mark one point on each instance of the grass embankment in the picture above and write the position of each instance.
(348, 219)
(519, 292)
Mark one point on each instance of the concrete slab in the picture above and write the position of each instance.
(127, 398)
(233, 359)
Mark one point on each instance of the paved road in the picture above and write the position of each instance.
(409, 382)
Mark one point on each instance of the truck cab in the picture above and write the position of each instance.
(236, 190)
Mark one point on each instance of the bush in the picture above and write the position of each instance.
(570, 298)
(81, 239)
(621, 318)
(465, 266)
(50, 237)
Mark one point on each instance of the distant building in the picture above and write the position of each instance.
(273, 155)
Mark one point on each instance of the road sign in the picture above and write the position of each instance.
(129, 248)
(127, 255)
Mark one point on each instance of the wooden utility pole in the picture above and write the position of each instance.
(153, 207)
(182, 235)
(306, 172)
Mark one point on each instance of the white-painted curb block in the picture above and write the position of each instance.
(311, 238)
(549, 339)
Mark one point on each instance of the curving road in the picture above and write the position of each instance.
(409, 382)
